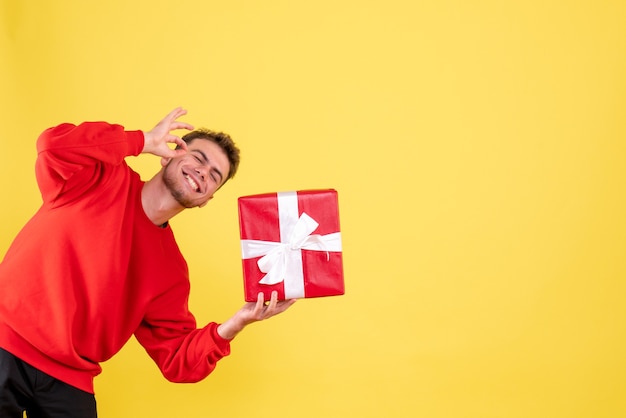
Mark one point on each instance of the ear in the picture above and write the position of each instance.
(165, 161)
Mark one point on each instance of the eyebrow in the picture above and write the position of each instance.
(207, 161)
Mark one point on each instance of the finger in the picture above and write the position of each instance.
(176, 113)
(170, 153)
(260, 305)
(273, 301)
(181, 125)
(173, 139)
(280, 307)
(177, 153)
(272, 306)
(172, 115)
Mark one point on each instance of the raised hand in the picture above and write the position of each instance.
(157, 139)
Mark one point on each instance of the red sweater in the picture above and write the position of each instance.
(90, 269)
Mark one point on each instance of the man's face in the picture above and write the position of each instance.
(194, 177)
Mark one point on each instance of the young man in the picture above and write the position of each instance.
(98, 263)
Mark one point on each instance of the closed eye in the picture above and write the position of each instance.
(201, 157)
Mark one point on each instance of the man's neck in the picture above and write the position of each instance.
(158, 204)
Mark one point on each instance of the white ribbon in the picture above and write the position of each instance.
(282, 261)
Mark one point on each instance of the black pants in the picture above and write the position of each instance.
(25, 388)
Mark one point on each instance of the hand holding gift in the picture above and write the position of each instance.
(253, 312)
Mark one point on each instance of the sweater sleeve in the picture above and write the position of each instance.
(66, 150)
(183, 353)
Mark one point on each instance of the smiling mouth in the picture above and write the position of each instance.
(192, 183)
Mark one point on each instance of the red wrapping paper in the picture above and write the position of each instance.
(263, 219)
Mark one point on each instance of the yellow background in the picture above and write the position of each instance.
(478, 148)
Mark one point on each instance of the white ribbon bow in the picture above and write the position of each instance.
(282, 261)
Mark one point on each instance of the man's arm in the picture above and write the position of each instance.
(252, 312)
(66, 149)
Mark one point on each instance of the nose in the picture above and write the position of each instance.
(201, 171)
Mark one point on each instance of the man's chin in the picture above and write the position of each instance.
(186, 204)
(180, 199)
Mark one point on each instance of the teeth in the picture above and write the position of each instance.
(193, 184)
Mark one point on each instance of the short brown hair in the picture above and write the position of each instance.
(224, 141)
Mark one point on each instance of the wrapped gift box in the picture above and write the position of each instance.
(291, 243)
